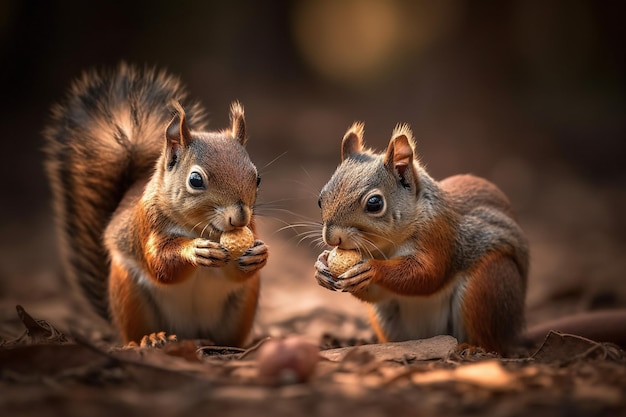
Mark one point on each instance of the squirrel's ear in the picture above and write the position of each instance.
(177, 135)
(238, 122)
(400, 155)
(352, 142)
(177, 132)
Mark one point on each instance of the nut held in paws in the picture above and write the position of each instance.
(237, 241)
(340, 260)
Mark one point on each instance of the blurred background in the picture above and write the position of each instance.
(527, 94)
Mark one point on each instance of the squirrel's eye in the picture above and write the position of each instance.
(374, 204)
(258, 180)
(319, 202)
(195, 180)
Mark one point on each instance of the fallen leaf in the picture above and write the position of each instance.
(559, 348)
(37, 332)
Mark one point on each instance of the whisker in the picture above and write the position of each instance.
(312, 235)
(197, 224)
(273, 160)
(294, 226)
(306, 172)
(362, 247)
(365, 243)
(371, 254)
(307, 186)
(209, 225)
(303, 239)
(260, 210)
(319, 243)
(278, 219)
(269, 212)
(381, 237)
(301, 234)
(205, 227)
(269, 204)
(288, 225)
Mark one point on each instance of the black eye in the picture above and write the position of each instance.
(319, 202)
(258, 180)
(374, 204)
(196, 181)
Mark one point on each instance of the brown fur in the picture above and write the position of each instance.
(378, 330)
(439, 257)
(249, 311)
(491, 310)
(134, 226)
(130, 315)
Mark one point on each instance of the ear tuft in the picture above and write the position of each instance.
(238, 122)
(352, 142)
(404, 129)
(177, 135)
(400, 155)
(177, 132)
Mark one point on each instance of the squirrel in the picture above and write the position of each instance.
(142, 192)
(438, 257)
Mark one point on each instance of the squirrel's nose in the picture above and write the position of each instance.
(334, 236)
(239, 215)
(237, 222)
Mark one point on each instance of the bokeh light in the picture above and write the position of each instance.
(356, 42)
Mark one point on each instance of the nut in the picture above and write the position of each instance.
(237, 241)
(340, 260)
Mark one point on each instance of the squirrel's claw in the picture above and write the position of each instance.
(152, 340)
(355, 279)
(210, 254)
(254, 258)
(323, 275)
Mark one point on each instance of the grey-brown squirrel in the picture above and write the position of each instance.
(442, 257)
(142, 193)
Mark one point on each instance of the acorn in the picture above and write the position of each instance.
(237, 241)
(340, 260)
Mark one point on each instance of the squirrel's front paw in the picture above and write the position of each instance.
(254, 258)
(209, 253)
(356, 279)
(323, 275)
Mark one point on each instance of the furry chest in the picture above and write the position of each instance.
(197, 307)
(419, 317)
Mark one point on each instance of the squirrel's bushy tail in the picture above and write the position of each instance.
(105, 135)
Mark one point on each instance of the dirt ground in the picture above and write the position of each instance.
(62, 362)
(529, 95)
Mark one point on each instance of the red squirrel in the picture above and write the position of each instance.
(438, 257)
(142, 193)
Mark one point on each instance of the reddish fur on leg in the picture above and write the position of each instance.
(249, 311)
(493, 303)
(129, 315)
(380, 334)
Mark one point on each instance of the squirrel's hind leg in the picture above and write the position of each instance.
(130, 316)
(493, 303)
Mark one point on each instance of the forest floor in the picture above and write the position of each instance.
(54, 361)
